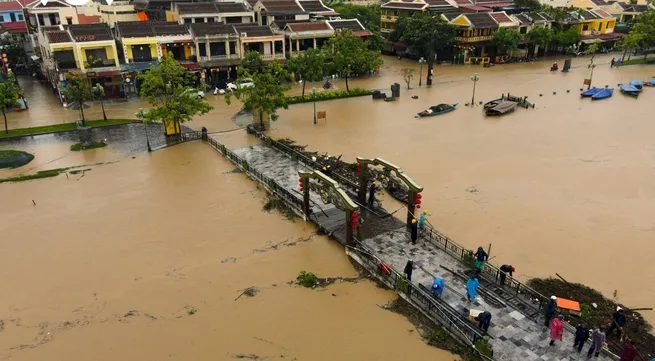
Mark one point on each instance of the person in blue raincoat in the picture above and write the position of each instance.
(422, 219)
(437, 286)
(472, 288)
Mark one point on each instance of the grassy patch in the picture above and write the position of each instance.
(307, 279)
(638, 61)
(47, 174)
(329, 95)
(78, 146)
(14, 158)
(63, 127)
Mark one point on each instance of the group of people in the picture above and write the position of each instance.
(615, 63)
(583, 333)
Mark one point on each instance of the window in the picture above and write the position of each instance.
(210, 20)
(199, 20)
(41, 19)
(188, 20)
(2, 19)
(202, 49)
(69, 20)
(19, 17)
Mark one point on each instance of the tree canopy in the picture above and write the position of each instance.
(310, 65)
(426, 33)
(79, 90)
(350, 56)
(170, 90)
(506, 40)
(566, 38)
(9, 93)
(267, 94)
(644, 25)
(630, 42)
(528, 4)
(540, 35)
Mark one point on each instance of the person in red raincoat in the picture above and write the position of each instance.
(556, 329)
(629, 350)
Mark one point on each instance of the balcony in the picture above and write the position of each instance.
(66, 65)
(389, 18)
(385, 30)
(273, 56)
(217, 57)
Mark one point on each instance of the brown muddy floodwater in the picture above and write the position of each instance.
(568, 187)
(142, 259)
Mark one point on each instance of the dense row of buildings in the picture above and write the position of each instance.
(477, 21)
(110, 44)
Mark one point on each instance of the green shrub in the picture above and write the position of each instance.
(78, 146)
(14, 158)
(307, 279)
(329, 95)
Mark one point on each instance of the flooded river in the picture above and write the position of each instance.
(143, 257)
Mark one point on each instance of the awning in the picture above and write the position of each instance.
(176, 41)
(142, 16)
(191, 66)
(94, 74)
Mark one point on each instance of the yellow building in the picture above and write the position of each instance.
(391, 11)
(596, 22)
(625, 12)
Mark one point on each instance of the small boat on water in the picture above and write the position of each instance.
(398, 194)
(637, 84)
(651, 82)
(603, 94)
(438, 110)
(503, 107)
(630, 90)
(492, 103)
(588, 93)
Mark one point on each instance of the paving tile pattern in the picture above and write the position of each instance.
(514, 337)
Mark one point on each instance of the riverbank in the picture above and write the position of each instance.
(59, 128)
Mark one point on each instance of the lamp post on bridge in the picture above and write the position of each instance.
(314, 98)
(420, 72)
(475, 79)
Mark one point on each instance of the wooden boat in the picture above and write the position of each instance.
(438, 110)
(397, 194)
(503, 108)
(588, 93)
(651, 82)
(630, 90)
(637, 84)
(492, 103)
(603, 94)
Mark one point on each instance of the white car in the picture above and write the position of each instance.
(243, 83)
(198, 93)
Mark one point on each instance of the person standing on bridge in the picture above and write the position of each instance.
(409, 268)
(414, 230)
(581, 336)
(551, 306)
(371, 194)
(597, 341)
(472, 288)
(556, 329)
(629, 350)
(480, 257)
(422, 219)
(504, 270)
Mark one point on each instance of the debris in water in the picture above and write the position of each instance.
(229, 260)
(248, 356)
(472, 189)
(250, 292)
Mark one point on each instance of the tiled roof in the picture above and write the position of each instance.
(134, 29)
(90, 32)
(599, 2)
(463, 2)
(438, 3)
(162, 28)
(14, 27)
(602, 13)
(501, 17)
(546, 16)
(313, 26)
(282, 6)
(59, 36)
(314, 6)
(281, 24)
(10, 5)
(403, 5)
(481, 20)
(523, 19)
(630, 8)
(253, 30)
(209, 29)
(588, 15)
(196, 8)
(450, 16)
(231, 7)
(353, 25)
(44, 29)
(88, 19)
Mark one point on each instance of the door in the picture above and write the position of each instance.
(141, 53)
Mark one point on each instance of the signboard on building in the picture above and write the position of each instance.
(473, 39)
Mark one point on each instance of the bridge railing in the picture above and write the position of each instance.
(466, 256)
(301, 158)
(452, 322)
(292, 200)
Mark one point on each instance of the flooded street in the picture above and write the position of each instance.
(142, 257)
(150, 267)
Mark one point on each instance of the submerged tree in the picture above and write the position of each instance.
(539, 36)
(267, 94)
(79, 90)
(427, 33)
(9, 93)
(408, 75)
(506, 40)
(566, 38)
(630, 42)
(644, 24)
(310, 65)
(170, 90)
(350, 56)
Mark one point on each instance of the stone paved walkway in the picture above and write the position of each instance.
(514, 337)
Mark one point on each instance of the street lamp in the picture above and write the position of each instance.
(420, 72)
(475, 79)
(141, 114)
(314, 98)
(100, 92)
